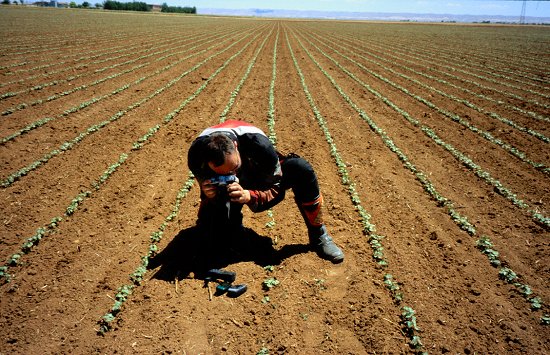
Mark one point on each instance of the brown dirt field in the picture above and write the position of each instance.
(112, 78)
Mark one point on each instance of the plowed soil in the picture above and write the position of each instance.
(138, 88)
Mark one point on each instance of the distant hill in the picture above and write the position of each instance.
(381, 16)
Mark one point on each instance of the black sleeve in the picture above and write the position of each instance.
(261, 160)
(263, 173)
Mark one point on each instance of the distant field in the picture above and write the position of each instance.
(431, 146)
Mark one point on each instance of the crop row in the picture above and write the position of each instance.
(83, 56)
(51, 227)
(401, 57)
(67, 69)
(442, 201)
(78, 200)
(472, 59)
(408, 314)
(453, 68)
(87, 103)
(114, 53)
(463, 101)
(486, 69)
(131, 52)
(460, 156)
(271, 132)
(64, 63)
(82, 51)
(125, 291)
(96, 127)
(41, 86)
(51, 44)
(417, 58)
(469, 92)
(45, 230)
(456, 118)
(223, 114)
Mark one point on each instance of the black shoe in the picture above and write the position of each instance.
(325, 247)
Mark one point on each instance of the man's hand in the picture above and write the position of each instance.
(237, 193)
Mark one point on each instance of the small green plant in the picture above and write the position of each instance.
(409, 319)
(507, 275)
(4, 276)
(536, 303)
(393, 287)
(270, 283)
(415, 342)
(320, 283)
(486, 247)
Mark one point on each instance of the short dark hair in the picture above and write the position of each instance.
(219, 145)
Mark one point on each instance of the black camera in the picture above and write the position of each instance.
(223, 180)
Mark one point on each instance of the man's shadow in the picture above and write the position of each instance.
(191, 252)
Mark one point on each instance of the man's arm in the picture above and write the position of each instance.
(261, 200)
(266, 170)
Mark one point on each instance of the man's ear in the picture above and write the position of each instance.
(235, 143)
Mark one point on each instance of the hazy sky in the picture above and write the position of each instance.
(457, 7)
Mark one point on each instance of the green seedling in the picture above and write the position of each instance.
(270, 283)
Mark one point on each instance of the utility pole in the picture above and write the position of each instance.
(522, 16)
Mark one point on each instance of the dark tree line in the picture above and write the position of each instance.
(185, 9)
(141, 6)
(128, 6)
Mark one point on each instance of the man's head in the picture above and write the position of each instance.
(222, 154)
